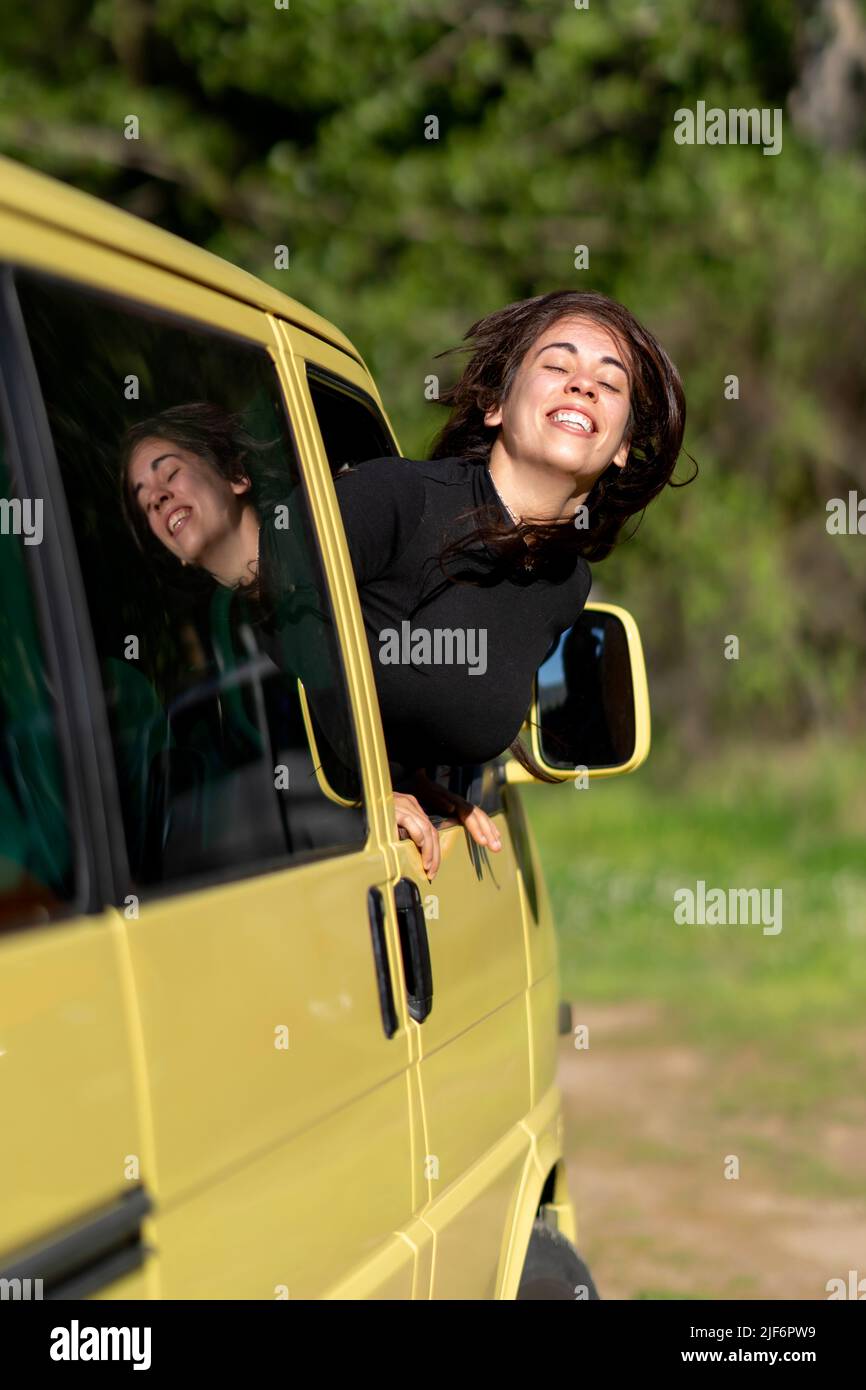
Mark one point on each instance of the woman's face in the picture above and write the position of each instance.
(190, 507)
(568, 406)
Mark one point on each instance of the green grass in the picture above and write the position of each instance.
(783, 1015)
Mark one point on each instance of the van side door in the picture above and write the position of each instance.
(73, 1199)
(248, 886)
(474, 1052)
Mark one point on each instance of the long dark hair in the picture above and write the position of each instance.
(498, 344)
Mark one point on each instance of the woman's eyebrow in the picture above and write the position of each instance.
(569, 347)
(154, 464)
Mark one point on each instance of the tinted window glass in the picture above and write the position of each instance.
(36, 871)
(351, 427)
(232, 732)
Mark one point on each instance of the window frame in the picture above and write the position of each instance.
(32, 466)
(330, 380)
(485, 789)
(105, 844)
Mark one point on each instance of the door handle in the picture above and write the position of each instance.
(89, 1255)
(415, 948)
(376, 914)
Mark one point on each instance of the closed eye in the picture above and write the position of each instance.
(608, 386)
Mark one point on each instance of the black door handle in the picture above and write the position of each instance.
(87, 1256)
(415, 948)
(376, 913)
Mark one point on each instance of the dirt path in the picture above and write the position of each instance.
(647, 1147)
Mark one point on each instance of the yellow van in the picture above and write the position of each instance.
(247, 1050)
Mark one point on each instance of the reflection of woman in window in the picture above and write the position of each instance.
(188, 483)
(567, 420)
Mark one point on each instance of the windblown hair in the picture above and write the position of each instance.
(498, 344)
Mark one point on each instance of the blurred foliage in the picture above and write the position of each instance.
(306, 126)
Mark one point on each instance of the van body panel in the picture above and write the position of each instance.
(52, 251)
(475, 1084)
(342, 1164)
(290, 1224)
(485, 1198)
(543, 1001)
(474, 1064)
(39, 200)
(71, 1129)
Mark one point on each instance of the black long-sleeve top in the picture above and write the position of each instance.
(453, 662)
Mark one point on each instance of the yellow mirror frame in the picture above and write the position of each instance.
(513, 771)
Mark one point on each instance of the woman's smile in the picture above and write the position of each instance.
(177, 519)
(578, 422)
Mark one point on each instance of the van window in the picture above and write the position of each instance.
(234, 744)
(350, 423)
(353, 429)
(36, 869)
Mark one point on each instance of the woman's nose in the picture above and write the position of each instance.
(583, 386)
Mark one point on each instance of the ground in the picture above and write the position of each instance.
(647, 1148)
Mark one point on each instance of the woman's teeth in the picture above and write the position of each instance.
(573, 417)
(177, 517)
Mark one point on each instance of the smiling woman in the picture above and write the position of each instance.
(574, 384)
(186, 478)
(567, 420)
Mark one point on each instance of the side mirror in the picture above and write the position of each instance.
(590, 708)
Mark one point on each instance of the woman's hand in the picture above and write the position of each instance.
(478, 823)
(472, 818)
(413, 823)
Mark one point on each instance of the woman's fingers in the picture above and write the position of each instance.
(417, 825)
(481, 828)
(477, 822)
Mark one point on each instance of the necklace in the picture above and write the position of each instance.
(514, 518)
(528, 561)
